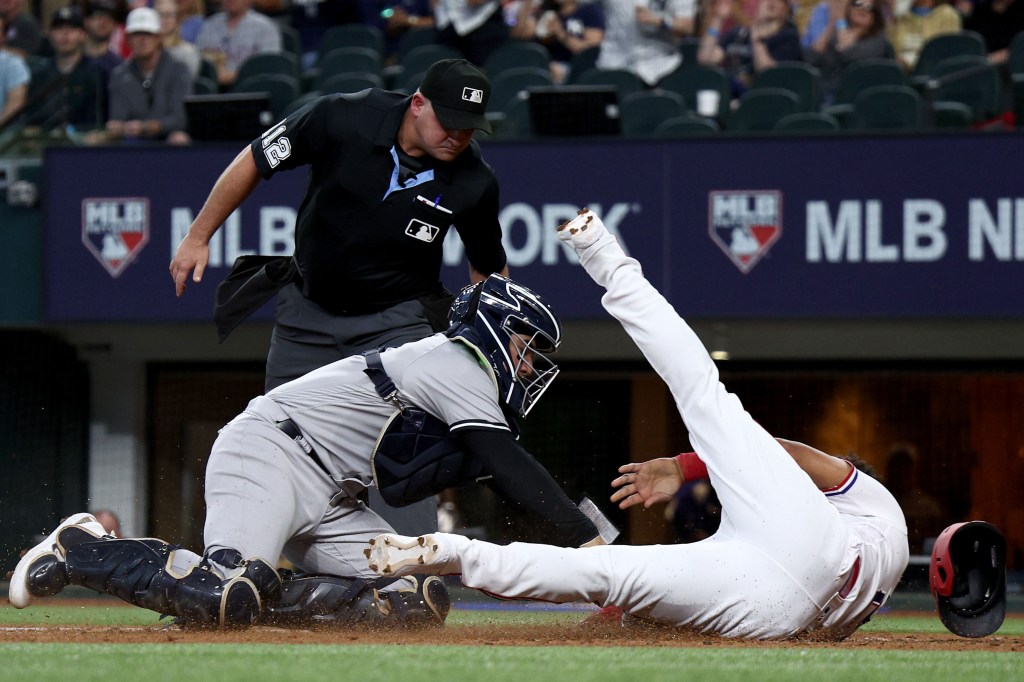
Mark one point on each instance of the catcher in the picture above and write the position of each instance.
(285, 476)
(807, 542)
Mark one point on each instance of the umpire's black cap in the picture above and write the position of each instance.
(968, 578)
(458, 92)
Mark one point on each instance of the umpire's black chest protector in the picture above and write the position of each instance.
(415, 456)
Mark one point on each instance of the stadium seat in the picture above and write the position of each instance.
(516, 54)
(282, 63)
(207, 69)
(291, 41)
(801, 79)
(969, 80)
(642, 112)
(689, 80)
(301, 101)
(513, 123)
(282, 89)
(689, 48)
(687, 125)
(346, 60)
(951, 115)
(859, 76)
(348, 82)
(943, 47)
(808, 121)
(202, 85)
(414, 38)
(351, 35)
(1015, 66)
(416, 61)
(581, 62)
(762, 109)
(510, 85)
(625, 82)
(888, 107)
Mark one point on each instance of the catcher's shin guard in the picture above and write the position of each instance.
(146, 573)
(331, 601)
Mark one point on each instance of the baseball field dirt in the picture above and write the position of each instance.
(481, 633)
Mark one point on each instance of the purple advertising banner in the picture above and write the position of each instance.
(787, 228)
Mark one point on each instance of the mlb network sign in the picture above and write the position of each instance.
(746, 224)
(115, 230)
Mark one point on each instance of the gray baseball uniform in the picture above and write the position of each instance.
(265, 496)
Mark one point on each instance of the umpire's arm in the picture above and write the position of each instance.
(236, 183)
(520, 479)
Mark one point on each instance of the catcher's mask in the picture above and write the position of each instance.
(968, 578)
(514, 329)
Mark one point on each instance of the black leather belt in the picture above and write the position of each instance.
(288, 428)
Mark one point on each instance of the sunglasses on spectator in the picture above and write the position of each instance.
(862, 4)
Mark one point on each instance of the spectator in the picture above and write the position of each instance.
(565, 27)
(24, 34)
(404, 16)
(998, 21)
(642, 37)
(182, 50)
(104, 33)
(821, 16)
(146, 91)
(230, 37)
(312, 18)
(14, 78)
(908, 32)
(191, 14)
(108, 519)
(77, 87)
(922, 511)
(745, 51)
(695, 511)
(856, 33)
(474, 27)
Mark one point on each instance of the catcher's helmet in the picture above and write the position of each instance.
(968, 578)
(514, 329)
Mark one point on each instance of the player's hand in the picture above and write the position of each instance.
(649, 482)
(191, 255)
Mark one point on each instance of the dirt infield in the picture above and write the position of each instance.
(604, 634)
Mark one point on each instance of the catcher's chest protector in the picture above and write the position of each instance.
(416, 457)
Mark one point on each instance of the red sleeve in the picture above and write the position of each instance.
(691, 466)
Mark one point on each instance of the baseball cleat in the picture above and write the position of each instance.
(40, 572)
(583, 230)
(397, 555)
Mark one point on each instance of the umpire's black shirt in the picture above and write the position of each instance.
(363, 240)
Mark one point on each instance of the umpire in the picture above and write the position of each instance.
(389, 174)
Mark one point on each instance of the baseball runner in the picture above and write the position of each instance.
(787, 558)
(284, 478)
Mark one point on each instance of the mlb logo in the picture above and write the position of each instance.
(473, 95)
(115, 230)
(425, 232)
(745, 224)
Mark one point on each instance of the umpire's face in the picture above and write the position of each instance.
(423, 133)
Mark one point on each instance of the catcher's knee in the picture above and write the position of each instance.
(332, 601)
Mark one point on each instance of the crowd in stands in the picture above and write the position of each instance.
(118, 70)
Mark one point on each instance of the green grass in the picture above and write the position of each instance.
(152, 662)
(413, 663)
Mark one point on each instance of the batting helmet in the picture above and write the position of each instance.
(514, 330)
(968, 578)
